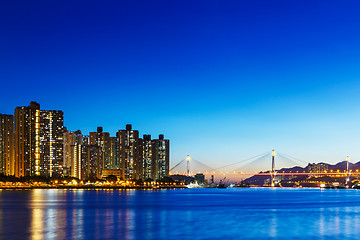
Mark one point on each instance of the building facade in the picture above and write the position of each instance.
(130, 154)
(40, 145)
(148, 158)
(82, 156)
(114, 154)
(94, 161)
(83, 162)
(161, 156)
(51, 142)
(7, 148)
(72, 154)
(38, 141)
(317, 167)
(102, 140)
(27, 140)
(68, 141)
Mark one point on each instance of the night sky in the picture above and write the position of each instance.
(223, 80)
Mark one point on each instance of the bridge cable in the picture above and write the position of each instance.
(202, 164)
(177, 164)
(293, 158)
(260, 155)
(280, 156)
(266, 156)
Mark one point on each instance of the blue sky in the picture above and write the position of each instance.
(224, 80)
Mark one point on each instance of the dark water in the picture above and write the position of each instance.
(180, 214)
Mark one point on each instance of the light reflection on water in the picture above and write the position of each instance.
(186, 214)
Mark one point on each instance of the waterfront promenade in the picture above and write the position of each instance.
(249, 213)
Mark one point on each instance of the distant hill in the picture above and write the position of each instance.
(260, 180)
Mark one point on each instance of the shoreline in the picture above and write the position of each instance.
(138, 187)
(90, 187)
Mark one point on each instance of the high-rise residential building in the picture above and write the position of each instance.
(38, 141)
(155, 157)
(199, 178)
(7, 148)
(102, 140)
(140, 161)
(130, 153)
(51, 142)
(72, 155)
(161, 156)
(42, 146)
(94, 161)
(27, 140)
(148, 159)
(83, 162)
(68, 141)
(82, 155)
(114, 153)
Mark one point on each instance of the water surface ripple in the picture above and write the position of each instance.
(255, 213)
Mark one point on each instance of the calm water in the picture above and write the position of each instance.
(180, 214)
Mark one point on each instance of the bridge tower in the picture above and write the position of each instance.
(188, 165)
(273, 169)
(347, 169)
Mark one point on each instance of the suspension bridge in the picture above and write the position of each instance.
(280, 164)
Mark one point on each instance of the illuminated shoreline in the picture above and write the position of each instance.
(29, 187)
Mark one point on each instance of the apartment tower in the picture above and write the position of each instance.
(7, 148)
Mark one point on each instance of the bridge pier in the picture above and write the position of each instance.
(188, 165)
(273, 169)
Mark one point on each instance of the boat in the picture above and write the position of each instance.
(195, 185)
(222, 183)
(201, 185)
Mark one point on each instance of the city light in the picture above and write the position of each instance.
(52, 151)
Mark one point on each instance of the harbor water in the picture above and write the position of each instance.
(238, 213)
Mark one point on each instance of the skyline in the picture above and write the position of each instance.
(223, 82)
(35, 143)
